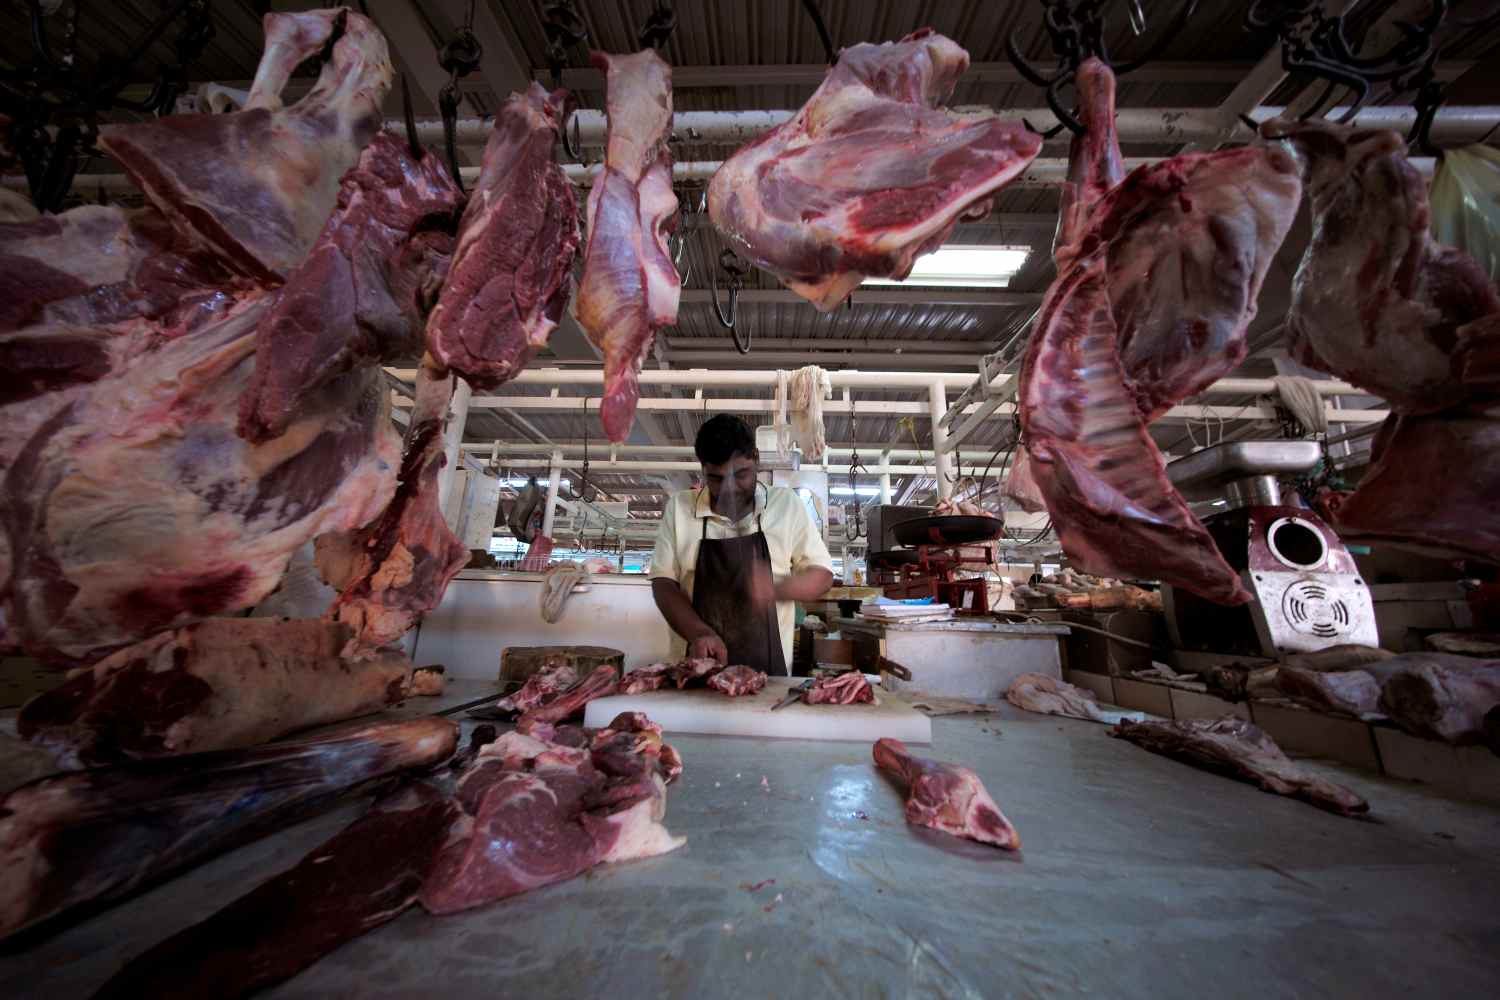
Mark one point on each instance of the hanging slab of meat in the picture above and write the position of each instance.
(536, 813)
(1050, 696)
(630, 286)
(1375, 300)
(946, 797)
(255, 186)
(870, 174)
(95, 836)
(219, 684)
(737, 681)
(848, 688)
(364, 291)
(1158, 275)
(1240, 750)
(540, 688)
(366, 875)
(512, 272)
(601, 682)
(1442, 696)
(395, 569)
(138, 508)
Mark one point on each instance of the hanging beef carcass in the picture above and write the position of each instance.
(1378, 302)
(630, 286)
(1158, 274)
(512, 271)
(870, 174)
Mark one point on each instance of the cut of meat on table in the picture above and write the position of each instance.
(1345, 656)
(1239, 749)
(141, 509)
(601, 682)
(630, 286)
(647, 678)
(693, 669)
(1050, 696)
(215, 685)
(1354, 692)
(848, 688)
(396, 568)
(255, 186)
(512, 271)
(366, 875)
(737, 681)
(1442, 696)
(426, 682)
(364, 291)
(537, 813)
(1158, 275)
(541, 687)
(95, 836)
(946, 797)
(870, 174)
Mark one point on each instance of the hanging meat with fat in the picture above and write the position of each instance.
(630, 286)
(1158, 274)
(870, 174)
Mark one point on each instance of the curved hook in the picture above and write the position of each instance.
(574, 146)
(727, 322)
(811, 7)
(1156, 47)
(1013, 52)
(1065, 116)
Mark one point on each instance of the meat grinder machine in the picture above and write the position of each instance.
(1308, 593)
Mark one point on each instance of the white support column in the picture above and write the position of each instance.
(937, 405)
(453, 435)
(885, 476)
(554, 483)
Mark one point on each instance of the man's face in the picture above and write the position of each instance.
(731, 486)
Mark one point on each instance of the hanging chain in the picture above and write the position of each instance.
(564, 28)
(460, 57)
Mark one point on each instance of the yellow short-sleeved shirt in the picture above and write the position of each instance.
(791, 536)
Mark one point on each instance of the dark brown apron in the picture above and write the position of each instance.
(721, 596)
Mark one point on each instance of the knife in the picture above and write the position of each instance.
(795, 694)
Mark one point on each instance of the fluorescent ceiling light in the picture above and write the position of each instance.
(859, 491)
(959, 266)
(518, 483)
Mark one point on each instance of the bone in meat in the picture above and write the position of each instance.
(647, 678)
(871, 172)
(630, 286)
(540, 688)
(1239, 749)
(601, 682)
(946, 797)
(737, 681)
(512, 270)
(1049, 696)
(849, 688)
(95, 836)
(1442, 696)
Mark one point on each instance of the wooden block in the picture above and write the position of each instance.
(1299, 731)
(519, 662)
(1193, 705)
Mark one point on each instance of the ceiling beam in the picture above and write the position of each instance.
(886, 296)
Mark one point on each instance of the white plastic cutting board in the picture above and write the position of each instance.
(704, 710)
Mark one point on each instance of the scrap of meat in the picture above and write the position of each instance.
(537, 813)
(512, 270)
(1158, 275)
(601, 682)
(541, 687)
(396, 568)
(647, 678)
(630, 746)
(561, 733)
(364, 291)
(256, 185)
(1240, 750)
(1442, 696)
(946, 797)
(215, 685)
(1050, 696)
(426, 682)
(630, 286)
(137, 508)
(870, 174)
(95, 836)
(737, 681)
(1354, 692)
(693, 669)
(364, 876)
(849, 688)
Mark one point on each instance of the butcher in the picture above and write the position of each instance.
(734, 555)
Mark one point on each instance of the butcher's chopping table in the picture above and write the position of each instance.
(800, 879)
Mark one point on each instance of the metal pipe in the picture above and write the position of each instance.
(453, 435)
(937, 405)
(668, 465)
(554, 483)
(885, 476)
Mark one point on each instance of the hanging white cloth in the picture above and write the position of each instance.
(1301, 398)
(806, 391)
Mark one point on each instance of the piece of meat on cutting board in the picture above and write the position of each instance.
(737, 681)
(600, 682)
(946, 797)
(1239, 749)
(848, 688)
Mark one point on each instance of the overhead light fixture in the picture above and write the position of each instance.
(958, 265)
(858, 491)
(518, 483)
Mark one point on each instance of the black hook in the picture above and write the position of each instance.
(564, 28)
(659, 25)
(729, 262)
(410, 114)
(811, 7)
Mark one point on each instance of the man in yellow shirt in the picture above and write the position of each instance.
(733, 557)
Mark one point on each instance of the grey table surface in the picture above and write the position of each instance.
(1139, 876)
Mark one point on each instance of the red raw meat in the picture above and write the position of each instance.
(540, 687)
(737, 681)
(848, 688)
(512, 272)
(1158, 274)
(630, 286)
(649, 678)
(692, 669)
(364, 291)
(870, 174)
(946, 797)
(1441, 696)
(600, 683)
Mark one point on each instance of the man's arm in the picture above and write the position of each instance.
(675, 607)
(805, 585)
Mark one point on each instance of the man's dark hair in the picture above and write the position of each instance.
(722, 437)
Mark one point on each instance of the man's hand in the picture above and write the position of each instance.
(710, 645)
